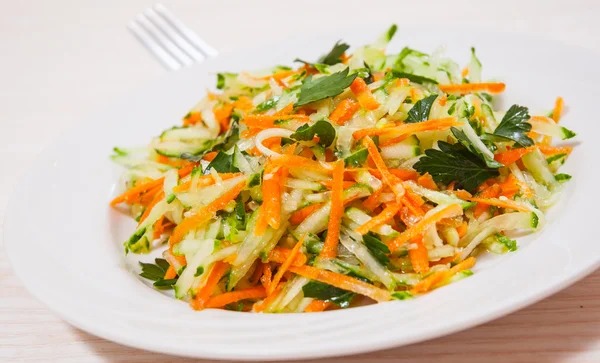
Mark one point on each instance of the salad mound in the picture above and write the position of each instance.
(361, 176)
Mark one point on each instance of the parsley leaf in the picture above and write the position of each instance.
(463, 139)
(325, 292)
(514, 126)
(415, 78)
(455, 163)
(156, 272)
(222, 163)
(321, 128)
(378, 249)
(420, 111)
(357, 158)
(333, 57)
(327, 86)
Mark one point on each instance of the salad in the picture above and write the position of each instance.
(361, 176)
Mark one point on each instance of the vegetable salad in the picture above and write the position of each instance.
(361, 176)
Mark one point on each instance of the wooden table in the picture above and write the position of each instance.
(64, 58)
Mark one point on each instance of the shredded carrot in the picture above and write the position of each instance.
(558, 109)
(205, 214)
(260, 306)
(419, 257)
(373, 201)
(390, 179)
(462, 229)
(216, 273)
(337, 210)
(265, 279)
(218, 301)
(492, 191)
(472, 87)
(344, 111)
(413, 197)
(204, 181)
(409, 128)
(301, 214)
(549, 150)
(257, 273)
(378, 76)
(447, 212)
(192, 118)
(316, 306)
(271, 191)
(341, 281)
(404, 174)
(426, 181)
(388, 213)
(210, 156)
(158, 227)
(170, 274)
(402, 82)
(280, 75)
(286, 110)
(508, 204)
(464, 72)
(135, 192)
(243, 103)
(329, 183)
(363, 94)
(510, 156)
(280, 254)
(286, 264)
(296, 161)
(442, 100)
(157, 198)
(441, 277)
(222, 115)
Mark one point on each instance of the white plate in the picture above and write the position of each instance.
(65, 243)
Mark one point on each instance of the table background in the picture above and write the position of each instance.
(61, 59)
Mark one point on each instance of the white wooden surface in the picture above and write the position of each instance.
(61, 59)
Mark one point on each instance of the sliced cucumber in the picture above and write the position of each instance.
(193, 133)
(405, 149)
(437, 197)
(176, 148)
(185, 281)
(551, 129)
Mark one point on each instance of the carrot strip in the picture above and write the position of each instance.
(510, 156)
(558, 109)
(329, 183)
(265, 279)
(550, 150)
(280, 254)
(373, 201)
(243, 103)
(296, 161)
(218, 301)
(405, 174)
(134, 193)
(316, 306)
(344, 111)
(363, 94)
(472, 87)
(170, 274)
(280, 75)
(216, 273)
(447, 212)
(409, 129)
(158, 227)
(204, 181)
(286, 264)
(465, 72)
(413, 197)
(441, 277)
(260, 306)
(419, 257)
(205, 214)
(210, 156)
(343, 282)
(388, 213)
(301, 214)
(337, 210)
(388, 177)
(192, 118)
(426, 181)
(222, 115)
(271, 191)
(508, 204)
(160, 195)
(286, 110)
(492, 191)
(257, 274)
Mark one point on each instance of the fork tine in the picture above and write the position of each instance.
(164, 41)
(173, 35)
(185, 31)
(150, 44)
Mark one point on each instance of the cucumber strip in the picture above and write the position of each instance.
(371, 264)
(435, 196)
(185, 281)
(551, 129)
(171, 180)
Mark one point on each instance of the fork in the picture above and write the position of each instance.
(169, 39)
